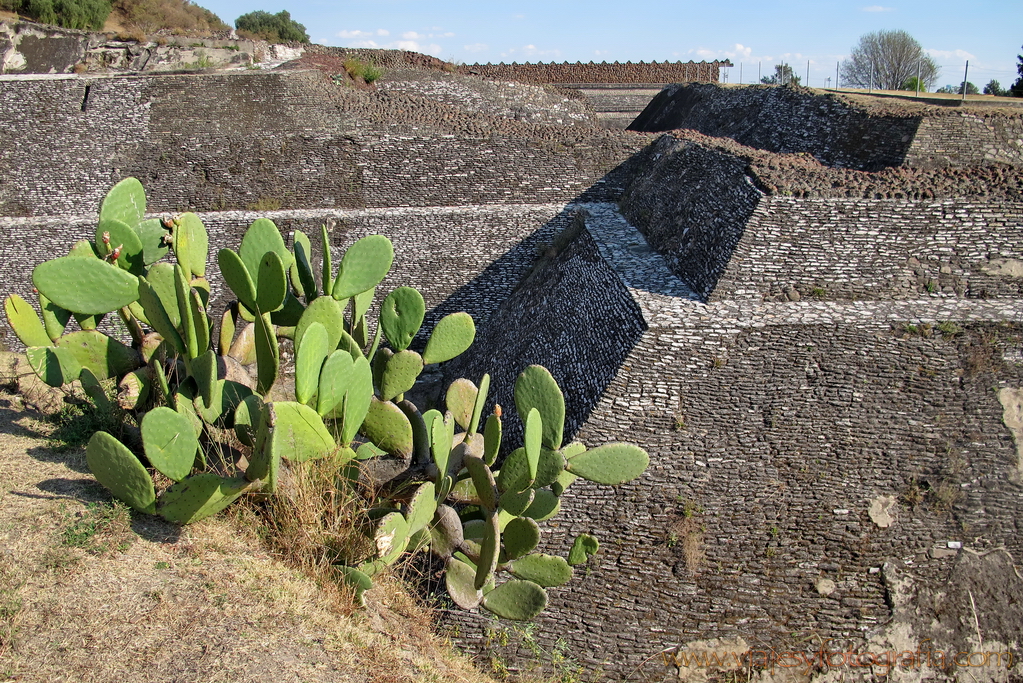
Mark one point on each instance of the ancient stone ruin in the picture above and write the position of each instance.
(805, 306)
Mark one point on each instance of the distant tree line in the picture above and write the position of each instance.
(274, 28)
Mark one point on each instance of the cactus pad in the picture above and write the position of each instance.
(477, 408)
(302, 280)
(521, 536)
(515, 472)
(119, 470)
(169, 442)
(531, 442)
(613, 463)
(459, 577)
(535, 388)
(446, 532)
(460, 400)
(357, 400)
(121, 237)
(300, 434)
(390, 533)
(490, 546)
(421, 507)
(363, 266)
(54, 365)
(271, 283)
(545, 570)
(545, 505)
(359, 582)
(199, 497)
(400, 374)
(265, 461)
(261, 237)
(98, 286)
(584, 547)
(268, 355)
(308, 361)
(483, 481)
(55, 318)
(517, 502)
(516, 599)
(492, 439)
(401, 316)
(327, 312)
(237, 277)
(453, 334)
(151, 233)
(104, 356)
(126, 202)
(388, 427)
(25, 322)
(191, 244)
(335, 379)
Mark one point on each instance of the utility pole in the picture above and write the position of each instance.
(965, 74)
(758, 72)
(838, 83)
(808, 73)
(918, 61)
(740, 73)
(870, 85)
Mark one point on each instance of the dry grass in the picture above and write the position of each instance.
(90, 592)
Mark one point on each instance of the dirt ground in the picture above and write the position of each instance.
(92, 592)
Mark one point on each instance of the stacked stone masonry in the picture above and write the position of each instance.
(591, 72)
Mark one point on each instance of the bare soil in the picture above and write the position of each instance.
(90, 591)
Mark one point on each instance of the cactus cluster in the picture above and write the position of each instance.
(187, 384)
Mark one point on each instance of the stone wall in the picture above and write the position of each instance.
(840, 130)
(591, 72)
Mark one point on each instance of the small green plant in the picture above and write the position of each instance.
(931, 286)
(360, 70)
(265, 204)
(818, 293)
(949, 329)
(98, 529)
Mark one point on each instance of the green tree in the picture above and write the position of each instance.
(78, 14)
(994, 88)
(886, 60)
(783, 75)
(1016, 90)
(914, 83)
(274, 28)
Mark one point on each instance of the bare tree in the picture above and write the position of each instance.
(886, 60)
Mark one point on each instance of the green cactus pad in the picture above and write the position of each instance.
(300, 434)
(442, 432)
(159, 315)
(335, 379)
(119, 470)
(362, 302)
(302, 280)
(420, 437)
(363, 266)
(227, 330)
(388, 427)
(444, 486)
(200, 323)
(55, 318)
(271, 284)
(521, 536)
(380, 364)
(516, 599)
(54, 365)
(418, 540)
(535, 388)
(545, 570)
(25, 322)
(460, 400)
(237, 277)
(421, 507)
(199, 497)
(126, 202)
(477, 408)
(95, 390)
(584, 547)
(169, 442)
(490, 546)
(163, 278)
(83, 249)
(483, 481)
(464, 491)
(131, 257)
(134, 388)
(98, 286)
(308, 361)
(191, 244)
(182, 294)
(459, 578)
(515, 472)
(564, 480)
(492, 439)
(357, 399)
(453, 334)
(326, 264)
(183, 403)
(531, 442)
(104, 356)
(445, 532)
(358, 581)
(613, 463)
(517, 502)
(268, 355)
(545, 505)
(401, 316)
(261, 237)
(390, 533)
(265, 461)
(246, 419)
(400, 374)
(573, 449)
(327, 312)
(232, 396)
(368, 451)
(151, 234)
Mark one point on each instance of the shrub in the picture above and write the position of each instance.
(78, 14)
(273, 28)
(153, 15)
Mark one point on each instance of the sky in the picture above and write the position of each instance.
(818, 33)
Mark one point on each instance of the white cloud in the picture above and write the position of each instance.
(410, 40)
(412, 35)
(877, 8)
(950, 55)
(383, 32)
(358, 34)
(475, 47)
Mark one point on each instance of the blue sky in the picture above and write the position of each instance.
(988, 33)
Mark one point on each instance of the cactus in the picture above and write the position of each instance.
(536, 388)
(125, 202)
(104, 356)
(308, 361)
(98, 286)
(460, 400)
(544, 506)
(614, 463)
(302, 280)
(453, 334)
(169, 441)
(335, 378)
(200, 496)
(120, 471)
(390, 533)
(399, 374)
(271, 284)
(521, 536)
(459, 578)
(357, 580)
(483, 482)
(477, 408)
(327, 312)
(388, 427)
(544, 570)
(584, 547)
(421, 508)
(152, 233)
(25, 323)
(299, 433)
(266, 455)
(54, 365)
(268, 355)
(113, 235)
(401, 316)
(363, 266)
(446, 532)
(191, 244)
(490, 546)
(516, 599)
(517, 503)
(261, 237)
(55, 318)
